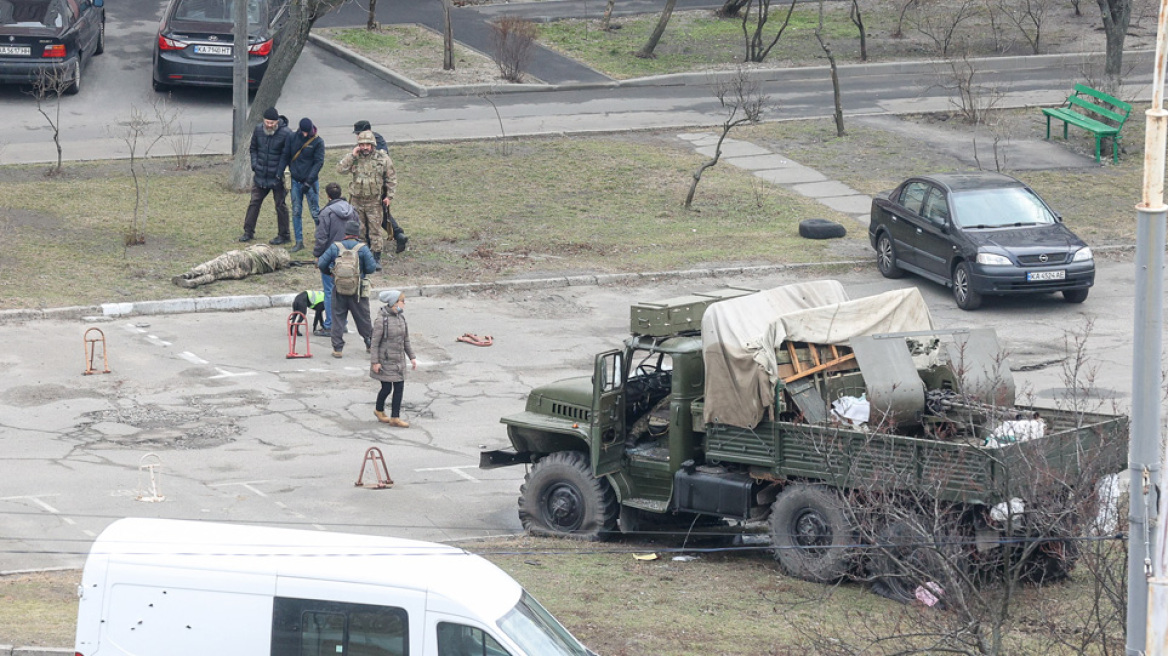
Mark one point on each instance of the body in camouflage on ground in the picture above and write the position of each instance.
(235, 265)
(372, 172)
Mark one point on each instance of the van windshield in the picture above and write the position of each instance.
(537, 632)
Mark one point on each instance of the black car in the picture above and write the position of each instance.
(981, 234)
(195, 42)
(49, 40)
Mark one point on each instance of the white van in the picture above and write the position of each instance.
(155, 587)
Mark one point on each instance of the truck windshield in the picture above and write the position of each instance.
(537, 632)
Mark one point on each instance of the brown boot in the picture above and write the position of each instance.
(399, 422)
(382, 417)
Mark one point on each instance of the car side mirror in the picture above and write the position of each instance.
(1058, 217)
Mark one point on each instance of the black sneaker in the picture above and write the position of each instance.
(279, 239)
(297, 248)
(401, 240)
(246, 237)
(321, 332)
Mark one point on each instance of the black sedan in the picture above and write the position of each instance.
(983, 234)
(49, 41)
(195, 44)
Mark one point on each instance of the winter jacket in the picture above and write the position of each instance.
(269, 155)
(390, 345)
(325, 262)
(306, 167)
(331, 228)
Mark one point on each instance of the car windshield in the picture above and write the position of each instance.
(214, 11)
(997, 208)
(537, 632)
(38, 13)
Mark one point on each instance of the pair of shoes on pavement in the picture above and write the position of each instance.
(392, 421)
(245, 237)
(322, 332)
(297, 248)
(279, 239)
(337, 354)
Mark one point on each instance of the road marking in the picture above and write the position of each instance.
(456, 470)
(157, 341)
(191, 357)
(227, 374)
(250, 486)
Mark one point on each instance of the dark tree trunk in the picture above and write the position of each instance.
(371, 23)
(1116, 16)
(731, 8)
(858, 21)
(647, 51)
(447, 38)
(302, 14)
(606, 21)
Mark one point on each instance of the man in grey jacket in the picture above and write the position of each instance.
(329, 230)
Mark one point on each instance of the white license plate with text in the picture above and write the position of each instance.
(1047, 275)
(21, 51)
(213, 50)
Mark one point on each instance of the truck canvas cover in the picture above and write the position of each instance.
(739, 338)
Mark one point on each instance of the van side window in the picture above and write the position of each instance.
(461, 640)
(309, 627)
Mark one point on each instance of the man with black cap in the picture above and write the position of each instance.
(269, 158)
(399, 235)
(307, 158)
(343, 260)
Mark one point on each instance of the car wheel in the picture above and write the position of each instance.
(821, 229)
(158, 86)
(886, 257)
(75, 86)
(100, 39)
(963, 293)
(1075, 295)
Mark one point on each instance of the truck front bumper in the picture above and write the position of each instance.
(496, 459)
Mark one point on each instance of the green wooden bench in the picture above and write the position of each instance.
(1087, 108)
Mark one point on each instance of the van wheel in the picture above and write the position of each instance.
(1075, 295)
(561, 498)
(963, 293)
(811, 536)
(886, 257)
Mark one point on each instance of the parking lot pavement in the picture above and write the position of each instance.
(239, 432)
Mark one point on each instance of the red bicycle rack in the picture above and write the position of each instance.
(296, 321)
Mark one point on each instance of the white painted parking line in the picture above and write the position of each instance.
(250, 487)
(191, 357)
(227, 374)
(456, 470)
(157, 341)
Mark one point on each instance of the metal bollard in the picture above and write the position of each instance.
(373, 457)
(90, 345)
(297, 320)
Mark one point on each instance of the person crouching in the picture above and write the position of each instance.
(391, 347)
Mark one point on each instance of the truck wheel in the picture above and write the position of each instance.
(811, 536)
(561, 498)
(908, 557)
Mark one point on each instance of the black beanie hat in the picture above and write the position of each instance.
(270, 114)
(305, 125)
(361, 126)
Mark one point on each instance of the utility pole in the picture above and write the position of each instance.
(239, 78)
(1146, 537)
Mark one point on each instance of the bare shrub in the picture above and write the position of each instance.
(48, 87)
(512, 38)
(940, 21)
(744, 103)
(972, 100)
(1028, 16)
(757, 47)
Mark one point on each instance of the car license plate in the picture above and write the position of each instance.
(213, 50)
(1047, 275)
(22, 51)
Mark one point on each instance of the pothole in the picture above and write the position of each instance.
(156, 427)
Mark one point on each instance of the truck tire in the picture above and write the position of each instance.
(810, 534)
(908, 557)
(561, 498)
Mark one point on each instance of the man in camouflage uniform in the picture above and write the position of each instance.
(372, 171)
(235, 265)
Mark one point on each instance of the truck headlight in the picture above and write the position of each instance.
(1082, 255)
(993, 259)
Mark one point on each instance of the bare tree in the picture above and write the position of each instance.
(744, 103)
(835, 87)
(730, 8)
(1075, 5)
(141, 133)
(447, 37)
(371, 21)
(606, 19)
(898, 33)
(512, 38)
(973, 100)
(504, 147)
(48, 87)
(302, 15)
(858, 21)
(646, 51)
(757, 48)
(1028, 16)
(1116, 16)
(940, 20)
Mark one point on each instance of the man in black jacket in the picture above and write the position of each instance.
(269, 158)
(307, 158)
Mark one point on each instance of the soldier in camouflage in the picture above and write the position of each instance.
(235, 265)
(372, 171)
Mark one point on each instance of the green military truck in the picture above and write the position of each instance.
(841, 421)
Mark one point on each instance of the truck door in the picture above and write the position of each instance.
(608, 414)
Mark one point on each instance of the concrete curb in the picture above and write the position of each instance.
(111, 311)
(9, 650)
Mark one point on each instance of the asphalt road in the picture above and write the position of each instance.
(240, 433)
(334, 93)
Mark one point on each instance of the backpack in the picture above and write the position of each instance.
(347, 269)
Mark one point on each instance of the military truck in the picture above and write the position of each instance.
(841, 421)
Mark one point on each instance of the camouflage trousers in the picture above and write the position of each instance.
(369, 211)
(232, 265)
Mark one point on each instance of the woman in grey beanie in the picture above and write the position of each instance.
(391, 347)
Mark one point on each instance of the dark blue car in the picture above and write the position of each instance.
(982, 234)
(195, 44)
(49, 41)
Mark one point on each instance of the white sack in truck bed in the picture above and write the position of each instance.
(739, 338)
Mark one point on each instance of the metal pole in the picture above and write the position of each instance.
(1145, 570)
(239, 78)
